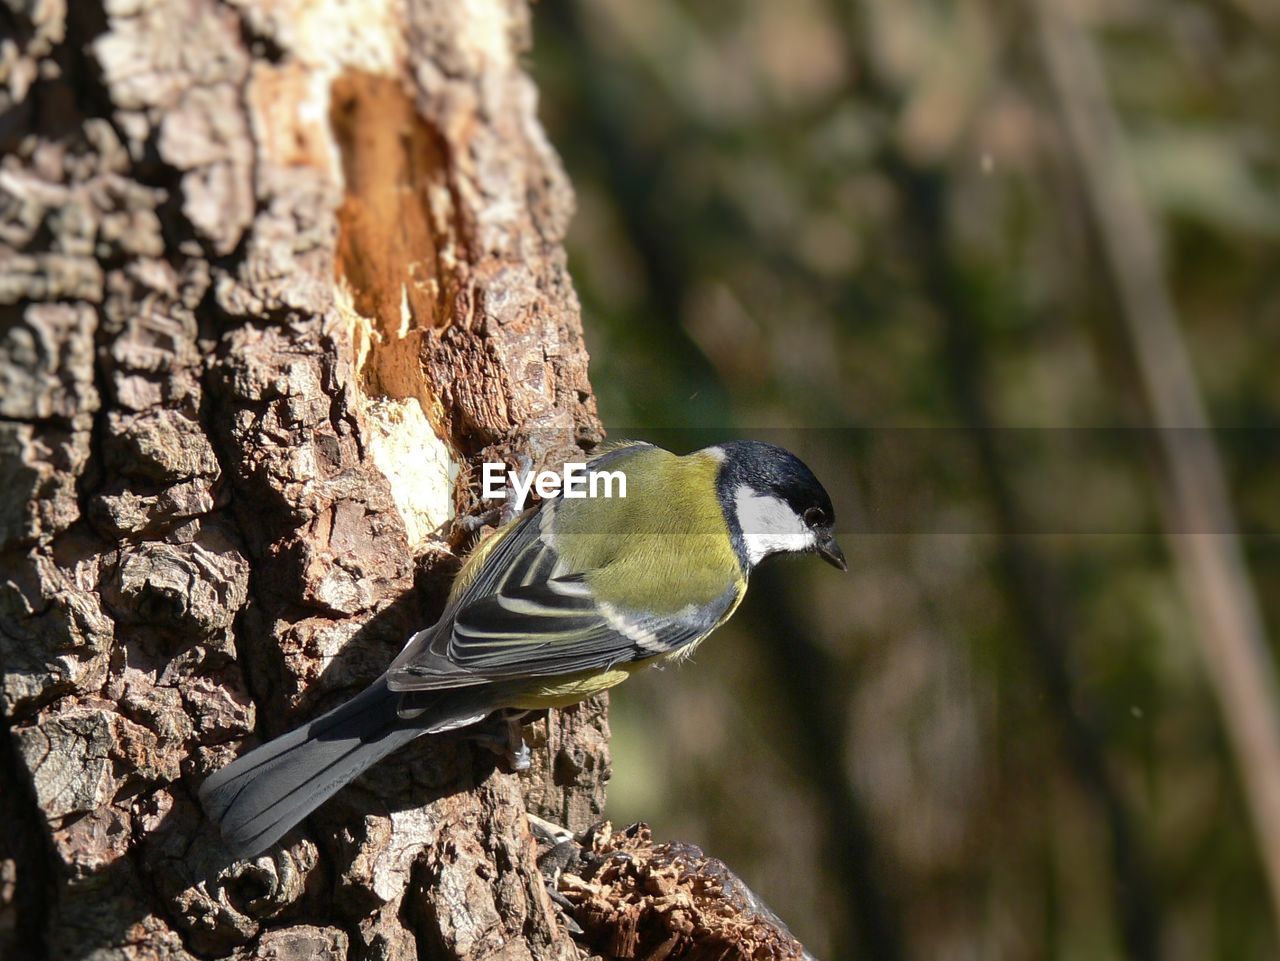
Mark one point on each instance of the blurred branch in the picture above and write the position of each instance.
(632, 172)
(1040, 607)
(1029, 581)
(1199, 520)
(804, 672)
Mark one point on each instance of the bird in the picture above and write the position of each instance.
(567, 599)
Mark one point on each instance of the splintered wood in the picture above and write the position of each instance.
(665, 902)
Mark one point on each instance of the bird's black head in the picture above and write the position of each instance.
(774, 504)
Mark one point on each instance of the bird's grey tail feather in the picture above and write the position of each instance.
(258, 797)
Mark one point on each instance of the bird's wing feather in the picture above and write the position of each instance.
(536, 631)
(521, 618)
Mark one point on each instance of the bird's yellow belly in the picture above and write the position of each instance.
(571, 688)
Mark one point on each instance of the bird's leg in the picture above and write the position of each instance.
(518, 754)
(503, 734)
(473, 522)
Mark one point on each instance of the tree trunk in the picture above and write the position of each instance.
(273, 277)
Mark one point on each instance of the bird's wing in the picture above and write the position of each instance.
(520, 618)
(548, 629)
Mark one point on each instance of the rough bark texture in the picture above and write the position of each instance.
(273, 275)
(632, 898)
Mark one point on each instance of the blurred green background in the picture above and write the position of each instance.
(914, 241)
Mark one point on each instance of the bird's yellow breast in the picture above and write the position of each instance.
(570, 688)
(664, 546)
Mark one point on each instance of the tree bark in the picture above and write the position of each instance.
(273, 277)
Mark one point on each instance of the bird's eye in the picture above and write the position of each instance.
(815, 517)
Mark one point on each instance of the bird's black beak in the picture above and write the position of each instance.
(831, 553)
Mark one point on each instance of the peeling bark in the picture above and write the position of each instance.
(273, 277)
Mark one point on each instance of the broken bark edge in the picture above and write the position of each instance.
(632, 898)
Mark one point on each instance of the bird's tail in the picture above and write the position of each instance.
(258, 797)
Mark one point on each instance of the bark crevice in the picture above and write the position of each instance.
(26, 887)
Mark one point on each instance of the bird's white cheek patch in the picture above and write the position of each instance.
(769, 525)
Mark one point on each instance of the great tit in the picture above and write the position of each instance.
(566, 600)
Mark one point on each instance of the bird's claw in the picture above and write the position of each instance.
(473, 522)
(521, 759)
(503, 734)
